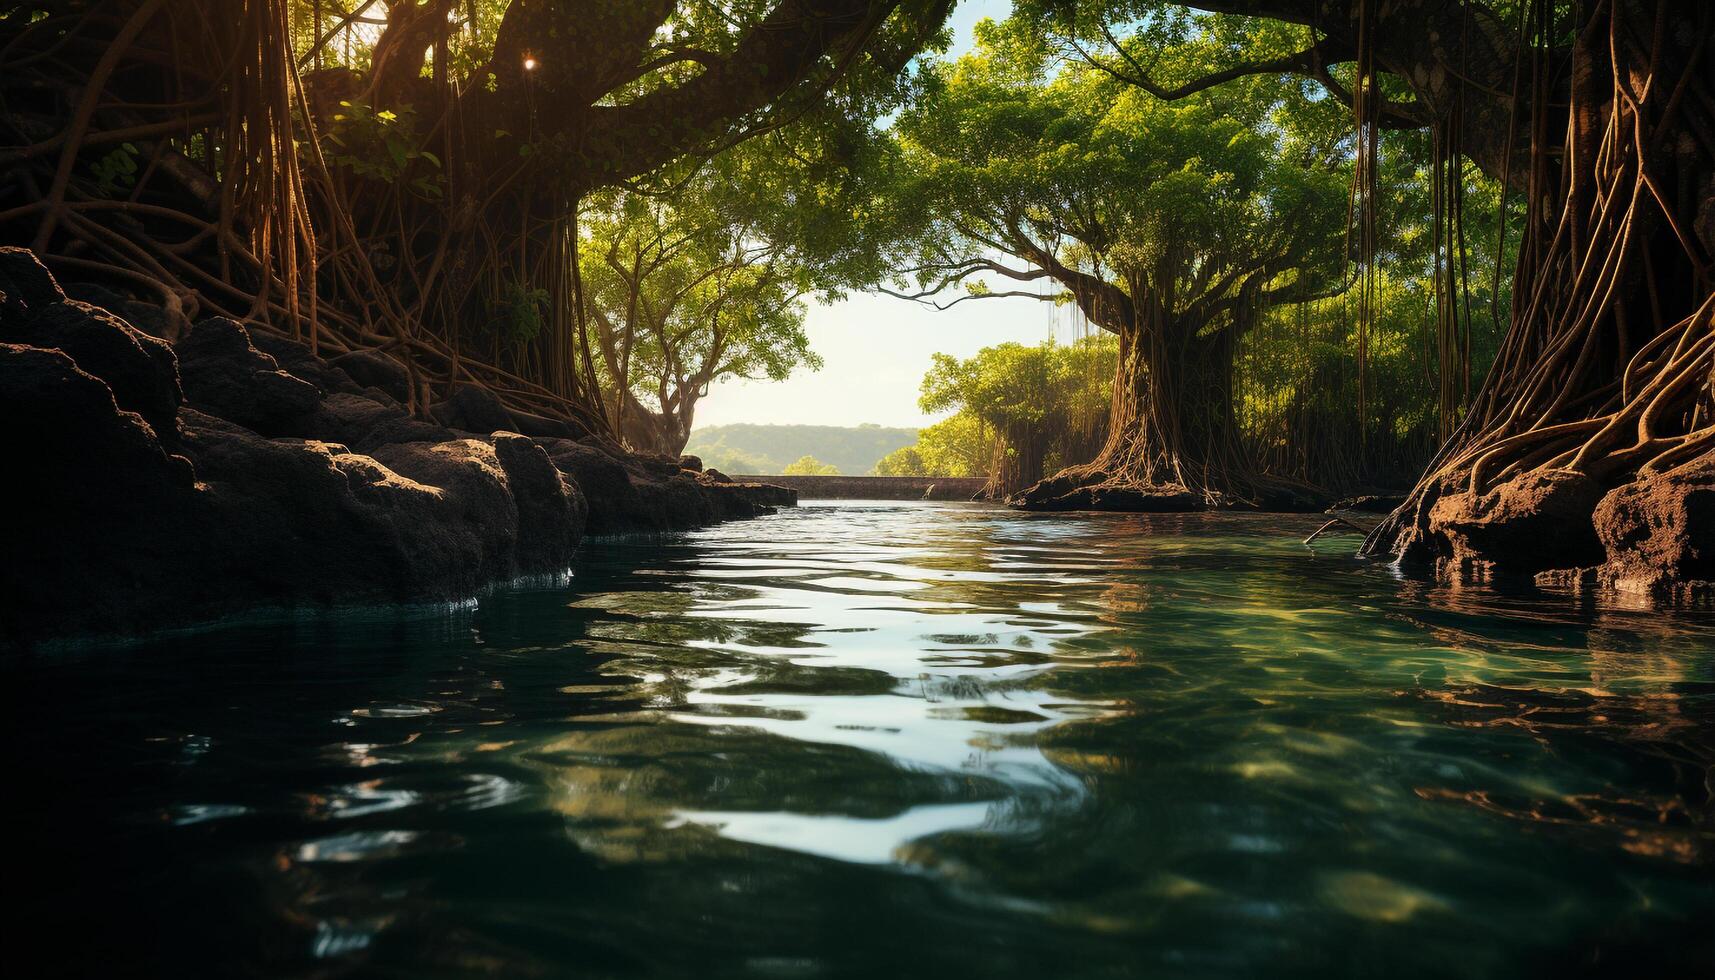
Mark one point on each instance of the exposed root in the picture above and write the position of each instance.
(1603, 383)
(230, 208)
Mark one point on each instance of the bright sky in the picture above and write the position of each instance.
(876, 348)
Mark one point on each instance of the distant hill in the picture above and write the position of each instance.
(749, 448)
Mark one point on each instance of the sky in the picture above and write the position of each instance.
(876, 348)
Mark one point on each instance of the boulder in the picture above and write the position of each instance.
(612, 500)
(25, 283)
(472, 409)
(295, 358)
(225, 375)
(543, 427)
(140, 370)
(373, 369)
(293, 520)
(363, 423)
(1535, 521)
(150, 318)
(96, 496)
(1658, 532)
(550, 516)
(477, 513)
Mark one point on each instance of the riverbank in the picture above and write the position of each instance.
(164, 484)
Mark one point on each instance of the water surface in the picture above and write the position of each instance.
(885, 740)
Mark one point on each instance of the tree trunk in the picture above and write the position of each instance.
(665, 433)
(1592, 443)
(1173, 441)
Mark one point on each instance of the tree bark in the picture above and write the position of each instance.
(1173, 439)
(1602, 383)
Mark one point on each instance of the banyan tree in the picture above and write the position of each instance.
(399, 175)
(1170, 225)
(1593, 435)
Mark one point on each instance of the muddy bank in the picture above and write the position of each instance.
(163, 484)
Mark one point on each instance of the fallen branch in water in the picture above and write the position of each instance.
(1337, 522)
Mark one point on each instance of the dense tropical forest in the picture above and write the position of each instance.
(1316, 248)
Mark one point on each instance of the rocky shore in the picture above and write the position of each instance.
(164, 484)
(1650, 540)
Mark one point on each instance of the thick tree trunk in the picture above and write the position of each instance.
(1173, 440)
(1589, 456)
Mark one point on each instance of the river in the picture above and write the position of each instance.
(885, 739)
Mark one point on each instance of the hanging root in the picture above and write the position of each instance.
(169, 149)
(1589, 455)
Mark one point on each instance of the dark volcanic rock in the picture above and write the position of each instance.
(629, 493)
(472, 409)
(363, 423)
(544, 428)
(373, 369)
(480, 520)
(269, 504)
(296, 359)
(150, 318)
(605, 483)
(140, 370)
(94, 510)
(551, 511)
(226, 376)
(25, 282)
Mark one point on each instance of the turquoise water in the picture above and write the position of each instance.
(886, 740)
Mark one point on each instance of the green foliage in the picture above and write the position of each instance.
(383, 145)
(901, 462)
(1051, 395)
(1208, 206)
(116, 171)
(810, 466)
(519, 312)
(957, 446)
(1012, 386)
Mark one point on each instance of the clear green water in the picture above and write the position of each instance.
(886, 740)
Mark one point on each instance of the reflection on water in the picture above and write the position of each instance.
(895, 739)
